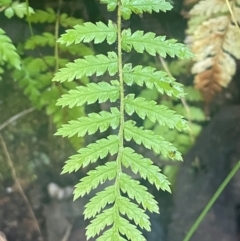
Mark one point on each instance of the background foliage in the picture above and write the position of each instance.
(27, 67)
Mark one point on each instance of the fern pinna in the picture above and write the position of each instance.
(120, 208)
(213, 35)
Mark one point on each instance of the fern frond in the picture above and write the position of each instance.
(89, 32)
(40, 16)
(192, 94)
(153, 45)
(151, 78)
(78, 50)
(8, 52)
(106, 218)
(150, 140)
(138, 192)
(46, 39)
(95, 177)
(100, 201)
(110, 209)
(209, 8)
(91, 93)
(154, 112)
(122, 226)
(88, 66)
(90, 154)
(197, 114)
(146, 169)
(16, 8)
(214, 41)
(133, 212)
(67, 21)
(91, 124)
(111, 4)
(126, 228)
(111, 234)
(141, 6)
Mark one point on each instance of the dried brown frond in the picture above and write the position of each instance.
(187, 3)
(216, 44)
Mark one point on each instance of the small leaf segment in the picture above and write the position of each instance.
(119, 210)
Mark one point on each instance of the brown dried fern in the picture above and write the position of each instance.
(215, 41)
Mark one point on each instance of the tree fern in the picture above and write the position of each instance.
(119, 209)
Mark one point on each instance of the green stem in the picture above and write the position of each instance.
(211, 202)
(121, 89)
(56, 33)
(28, 19)
(121, 127)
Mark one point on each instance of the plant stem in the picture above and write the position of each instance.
(211, 202)
(15, 117)
(121, 89)
(28, 20)
(232, 14)
(19, 187)
(56, 34)
(183, 100)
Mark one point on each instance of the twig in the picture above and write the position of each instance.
(183, 100)
(67, 233)
(2, 8)
(15, 117)
(232, 14)
(19, 187)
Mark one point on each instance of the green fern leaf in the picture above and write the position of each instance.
(111, 234)
(88, 66)
(91, 93)
(152, 44)
(138, 192)
(89, 32)
(98, 202)
(5, 3)
(67, 21)
(111, 4)
(95, 177)
(91, 124)
(192, 94)
(8, 52)
(9, 13)
(106, 218)
(46, 39)
(141, 6)
(197, 114)
(151, 78)
(90, 154)
(133, 212)
(150, 140)
(154, 112)
(125, 200)
(21, 9)
(48, 16)
(129, 230)
(78, 50)
(145, 168)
